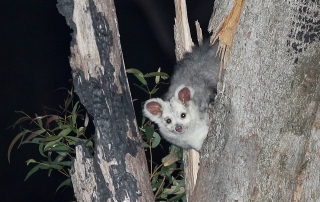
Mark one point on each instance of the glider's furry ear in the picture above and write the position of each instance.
(153, 108)
(184, 93)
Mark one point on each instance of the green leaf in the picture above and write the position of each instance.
(33, 141)
(174, 148)
(156, 185)
(164, 196)
(48, 165)
(61, 148)
(138, 74)
(133, 71)
(88, 143)
(52, 118)
(63, 153)
(33, 170)
(156, 140)
(170, 159)
(39, 120)
(52, 144)
(65, 163)
(143, 120)
(41, 145)
(49, 139)
(154, 179)
(141, 88)
(145, 145)
(33, 135)
(154, 91)
(149, 131)
(157, 79)
(59, 158)
(74, 113)
(39, 132)
(65, 132)
(152, 74)
(176, 188)
(14, 141)
(168, 170)
(49, 172)
(142, 129)
(67, 182)
(22, 119)
(74, 138)
(178, 197)
(31, 161)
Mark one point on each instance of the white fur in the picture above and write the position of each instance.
(194, 129)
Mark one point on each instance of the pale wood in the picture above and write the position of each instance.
(199, 33)
(182, 34)
(184, 44)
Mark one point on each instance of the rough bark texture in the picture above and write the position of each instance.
(264, 144)
(118, 170)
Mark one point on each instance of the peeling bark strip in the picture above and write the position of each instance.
(226, 33)
(118, 170)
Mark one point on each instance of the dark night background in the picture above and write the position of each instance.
(34, 45)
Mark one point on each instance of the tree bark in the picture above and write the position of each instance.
(264, 143)
(118, 169)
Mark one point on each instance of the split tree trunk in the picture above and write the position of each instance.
(264, 143)
(118, 170)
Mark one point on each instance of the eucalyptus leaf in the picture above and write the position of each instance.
(49, 172)
(49, 139)
(31, 161)
(14, 141)
(67, 182)
(178, 197)
(137, 74)
(48, 165)
(74, 114)
(145, 145)
(149, 131)
(33, 170)
(141, 88)
(154, 179)
(156, 140)
(157, 79)
(60, 148)
(65, 132)
(40, 148)
(52, 144)
(143, 120)
(154, 91)
(22, 119)
(39, 120)
(152, 74)
(170, 159)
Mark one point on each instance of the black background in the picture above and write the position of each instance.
(34, 45)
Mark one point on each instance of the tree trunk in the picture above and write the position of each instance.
(118, 170)
(264, 143)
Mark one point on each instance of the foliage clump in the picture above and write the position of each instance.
(56, 135)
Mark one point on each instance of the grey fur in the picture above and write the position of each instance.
(198, 73)
(199, 70)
